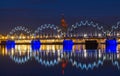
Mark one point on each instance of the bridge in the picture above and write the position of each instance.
(80, 31)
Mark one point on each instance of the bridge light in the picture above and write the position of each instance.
(99, 35)
(3, 37)
(108, 34)
(19, 37)
(12, 37)
(32, 36)
(46, 36)
(85, 35)
(23, 37)
(118, 34)
(118, 56)
(40, 36)
(58, 36)
(28, 37)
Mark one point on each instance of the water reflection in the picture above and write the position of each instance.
(51, 55)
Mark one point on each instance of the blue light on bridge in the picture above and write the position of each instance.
(10, 44)
(35, 45)
(67, 45)
(111, 46)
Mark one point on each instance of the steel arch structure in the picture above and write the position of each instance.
(48, 30)
(115, 30)
(19, 30)
(99, 30)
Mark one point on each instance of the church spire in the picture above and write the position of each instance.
(63, 22)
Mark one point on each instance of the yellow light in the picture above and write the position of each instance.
(23, 37)
(32, 37)
(28, 37)
(3, 37)
(58, 36)
(12, 37)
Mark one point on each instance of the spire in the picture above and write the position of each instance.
(63, 22)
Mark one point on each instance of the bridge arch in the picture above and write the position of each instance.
(19, 32)
(48, 30)
(86, 28)
(115, 29)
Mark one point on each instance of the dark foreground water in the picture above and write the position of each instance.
(52, 60)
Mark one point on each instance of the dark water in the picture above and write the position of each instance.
(52, 60)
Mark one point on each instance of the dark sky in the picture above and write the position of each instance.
(31, 13)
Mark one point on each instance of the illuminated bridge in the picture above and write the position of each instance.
(78, 32)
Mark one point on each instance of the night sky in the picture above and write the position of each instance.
(33, 13)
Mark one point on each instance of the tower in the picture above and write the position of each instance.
(64, 25)
(63, 22)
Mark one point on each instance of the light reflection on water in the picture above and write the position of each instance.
(51, 55)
